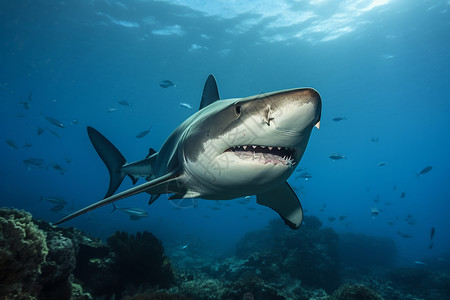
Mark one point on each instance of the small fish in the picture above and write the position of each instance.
(382, 163)
(34, 162)
(404, 235)
(11, 144)
(124, 103)
(135, 213)
(186, 105)
(3, 86)
(337, 156)
(424, 171)
(417, 262)
(54, 122)
(39, 130)
(433, 230)
(74, 122)
(54, 133)
(337, 119)
(184, 247)
(166, 83)
(375, 140)
(143, 133)
(58, 167)
(111, 109)
(25, 105)
(55, 200)
(403, 195)
(305, 175)
(374, 212)
(57, 208)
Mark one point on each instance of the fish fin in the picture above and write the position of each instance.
(115, 207)
(112, 158)
(153, 198)
(210, 92)
(161, 185)
(285, 202)
(151, 151)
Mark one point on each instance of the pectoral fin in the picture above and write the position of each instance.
(162, 185)
(285, 202)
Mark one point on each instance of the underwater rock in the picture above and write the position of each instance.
(355, 292)
(359, 250)
(140, 259)
(23, 250)
(309, 254)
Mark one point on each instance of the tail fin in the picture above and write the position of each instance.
(114, 207)
(112, 158)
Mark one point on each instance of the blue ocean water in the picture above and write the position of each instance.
(382, 65)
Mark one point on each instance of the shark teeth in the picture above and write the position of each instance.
(266, 154)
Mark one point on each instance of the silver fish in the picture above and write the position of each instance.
(337, 119)
(34, 162)
(11, 144)
(135, 213)
(55, 200)
(143, 133)
(186, 105)
(54, 122)
(424, 171)
(124, 103)
(337, 156)
(166, 83)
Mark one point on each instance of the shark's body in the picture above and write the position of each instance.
(228, 149)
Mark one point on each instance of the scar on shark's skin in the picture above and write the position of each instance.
(268, 114)
(205, 158)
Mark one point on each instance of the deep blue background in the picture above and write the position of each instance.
(384, 67)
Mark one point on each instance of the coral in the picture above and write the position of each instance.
(157, 296)
(355, 292)
(202, 289)
(22, 252)
(58, 266)
(140, 259)
(251, 287)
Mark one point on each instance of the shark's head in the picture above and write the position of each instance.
(253, 143)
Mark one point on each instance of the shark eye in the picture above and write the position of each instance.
(237, 110)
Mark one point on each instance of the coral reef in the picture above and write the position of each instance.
(157, 296)
(140, 259)
(202, 289)
(309, 255)
(23, 250)
(40, 261)
(355, 292)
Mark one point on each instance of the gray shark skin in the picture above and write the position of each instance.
(228, 149)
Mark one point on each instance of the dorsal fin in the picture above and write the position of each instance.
(210, 92)
(151, 151)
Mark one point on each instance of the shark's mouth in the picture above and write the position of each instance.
(265, 154)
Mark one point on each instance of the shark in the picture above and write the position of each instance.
(229, 148)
